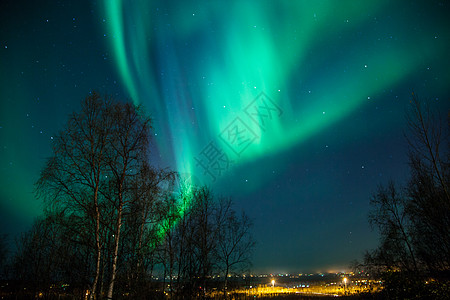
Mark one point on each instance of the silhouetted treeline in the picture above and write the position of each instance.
(413, 257)
(112, 222)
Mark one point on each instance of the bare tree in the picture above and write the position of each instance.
(169, 214)
(389, 215)
(428, 187)
(128, 149)
(205, 234)
(141, 222)
(427, 143)
(72, 177)
(415, 223)
(96, 159)
(201, 237)
(234, 241)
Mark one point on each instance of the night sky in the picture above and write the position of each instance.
(295, 109)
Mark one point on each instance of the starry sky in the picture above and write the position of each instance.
(295, 109)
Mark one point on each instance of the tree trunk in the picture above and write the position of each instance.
(226, 282)
(97, 244)
(97, 272)
(116, 251)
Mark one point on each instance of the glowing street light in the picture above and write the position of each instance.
(345, 282)
(273, 282)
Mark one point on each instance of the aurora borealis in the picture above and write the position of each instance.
(297, 107)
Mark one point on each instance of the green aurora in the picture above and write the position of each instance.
(216, 60)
